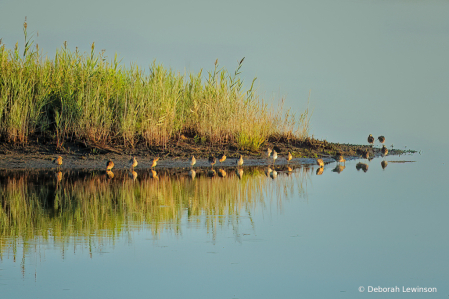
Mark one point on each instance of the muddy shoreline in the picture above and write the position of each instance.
(176, 155)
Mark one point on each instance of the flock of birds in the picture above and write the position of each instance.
(271, 154)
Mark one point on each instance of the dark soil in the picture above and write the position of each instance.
(35, 155)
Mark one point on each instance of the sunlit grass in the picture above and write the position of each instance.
(87, 97)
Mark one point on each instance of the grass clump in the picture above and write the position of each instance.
(86, 97)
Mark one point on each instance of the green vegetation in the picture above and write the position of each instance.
(85, 97)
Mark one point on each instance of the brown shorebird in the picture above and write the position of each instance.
(58, 161)
(154, 162)
(192, 161)
(339, 158)
(222, 158)
(289, 156)
(109, 165)
(212, 160)
(133, 162)
(381, 139)
(384, 150)
(275, 156)
(320, 162)
(269, 150)
(240, 161)
(370, 139)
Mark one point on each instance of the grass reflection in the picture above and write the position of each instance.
(87, 207)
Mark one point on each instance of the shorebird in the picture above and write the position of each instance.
(370, 139)
(269, 150)
(58, 161)
(381, 139)
(339, 158)
(384, 150)
(212, 160)
(383, 164)
(320, 162)
(240, 161)
(192, 174)
(275, 156)
(133, 162)
(109, 165)
(154, 162)
(222, 158)
(289, 157)
(192, 161)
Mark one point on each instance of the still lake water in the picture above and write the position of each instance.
(296, 236)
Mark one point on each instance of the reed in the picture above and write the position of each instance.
(86, 97)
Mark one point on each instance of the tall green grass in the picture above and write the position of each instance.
(86, 97)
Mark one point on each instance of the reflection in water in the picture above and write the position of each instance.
(268, 171)
(338, 168)
(274, 174)
(133, 175)
(192, 173)
(383, 164)
(110, 174)
(320, 171)
(362, 166)
(90, 209)
(221, 173)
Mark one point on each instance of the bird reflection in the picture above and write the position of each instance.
(110, 174)
(362, 166)
(339, 158)
(221, 173)
(211, 173)
(239, 173)
(338, 168)
(384, 164)
(274, 174)
(192, 174)
(320, 171)
(132, 174)
(58, 176)
(153, 174)
(268, 171)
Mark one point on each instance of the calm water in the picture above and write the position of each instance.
(298, 235)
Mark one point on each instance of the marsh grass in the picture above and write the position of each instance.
(86, 97)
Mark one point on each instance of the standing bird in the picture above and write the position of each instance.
(275, 156)
(381, 139)
(269, 150)
(133, 162)
(384, 150)
(289, 157)
(58, 161)
(339, 158)
(192, 161)
(222, 158)
(154, 162)
(109, 165)
(370, 139)
(320, 162)
(212, 161)
(240, 161)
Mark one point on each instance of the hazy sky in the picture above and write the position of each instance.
(377, 67)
